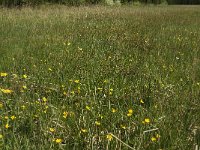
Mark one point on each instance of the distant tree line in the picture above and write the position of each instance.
(10, 3)
(186, 2)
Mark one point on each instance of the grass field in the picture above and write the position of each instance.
(100, 78)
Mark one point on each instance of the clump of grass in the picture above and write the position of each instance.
(100, 78)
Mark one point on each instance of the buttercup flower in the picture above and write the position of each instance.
(109, 137)
(6, 91)
(3, 74)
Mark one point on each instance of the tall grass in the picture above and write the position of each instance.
(100, 78)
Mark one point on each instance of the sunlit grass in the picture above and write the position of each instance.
(100, 78)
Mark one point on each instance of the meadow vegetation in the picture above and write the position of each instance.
(100, 78)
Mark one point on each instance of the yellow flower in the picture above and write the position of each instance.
(7, 126)
(100, 89)
(6, 117)
(153, 139)
(97, 123)
(6, 91)
(130, 112)
(58, 140)
(24, 87)
(100, 116)
(23, 107)
(123, 126)
(44, 99)
(105, 81)
(3, 74)
(84, 130)
(157, 136)
(65, 93)
(65, 114)
(13, 117)
(146, 121)
(76, 81)
(109, 137)
(114, 110)
(111, 91)
(88, 108)
(141, 101)
(52, 130)
(25, 76)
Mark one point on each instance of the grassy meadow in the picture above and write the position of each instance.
(100, 78)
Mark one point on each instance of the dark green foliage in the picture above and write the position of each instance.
(11, 3)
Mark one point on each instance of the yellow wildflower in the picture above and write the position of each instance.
(123, 126)
(97, 123)
(3, 74)
(100, 89)
(101, 116)
(24, 87)
(65, 114)
(65, 93)
(44, 99)
(105, 81)
(130, 112)
(88, 108)
(141, 101)
(157, 136)
(58, 140)
(114, 110)
(6, 91)
(52, 130)
(153, 139)
(84, 130)
(7, 126)
(23, 107)
(25, 76)
(76, 81)
(13, 117)
(146, 121)
(111, 91)
(109, 137)
(6, 117)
